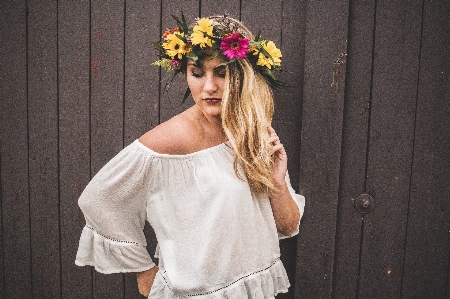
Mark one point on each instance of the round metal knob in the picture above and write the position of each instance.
(364, 203)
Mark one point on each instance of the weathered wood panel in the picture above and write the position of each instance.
(74, 136)
(427, 245)
(322, 119)
(211, 8)
(107, 86)
(142, 27)
(77, 85)
(14, 147)
(141, 94)
(287, 116)
(395, 69)
(354, 148)
(43, 148)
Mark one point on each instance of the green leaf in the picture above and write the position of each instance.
(258, 35)
(227, 62)
(192, 56)
(182, 24)
(158, 46)
(265, 53)
(186, 95)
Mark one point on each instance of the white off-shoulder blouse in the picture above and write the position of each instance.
(215, 239)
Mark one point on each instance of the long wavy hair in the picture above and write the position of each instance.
(247, 110)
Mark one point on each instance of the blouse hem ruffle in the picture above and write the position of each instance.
(109, 256)
(265, 283)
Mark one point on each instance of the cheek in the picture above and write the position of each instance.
(194, 86)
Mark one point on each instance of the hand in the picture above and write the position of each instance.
(280, 157)
(145, 280)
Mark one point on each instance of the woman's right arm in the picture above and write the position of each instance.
(145, 280)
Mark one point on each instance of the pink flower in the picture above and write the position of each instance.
(234, 46)
(175, 63)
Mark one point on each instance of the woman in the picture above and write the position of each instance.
(212, 181)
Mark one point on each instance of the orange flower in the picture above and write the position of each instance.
(166, 33)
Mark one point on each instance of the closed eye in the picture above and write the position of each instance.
(197, 75)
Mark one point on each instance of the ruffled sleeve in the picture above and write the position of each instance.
(114, 206)
(300, 201)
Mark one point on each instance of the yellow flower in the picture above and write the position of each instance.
(273, 51)
(198, 37)
(175, 46)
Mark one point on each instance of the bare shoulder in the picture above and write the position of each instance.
(175, 136)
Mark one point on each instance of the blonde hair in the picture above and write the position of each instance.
(247, 110)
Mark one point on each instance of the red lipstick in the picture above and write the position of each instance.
(212, 101)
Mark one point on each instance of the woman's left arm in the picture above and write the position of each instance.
(284, 208)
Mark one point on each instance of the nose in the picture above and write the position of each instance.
(210, 85)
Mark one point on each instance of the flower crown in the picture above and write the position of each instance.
(222, 35)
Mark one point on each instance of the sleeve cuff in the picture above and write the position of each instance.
(111, 256)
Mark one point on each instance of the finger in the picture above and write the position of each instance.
(278, 149)
(271, 131)
(273, 139)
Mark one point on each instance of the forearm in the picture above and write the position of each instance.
(145, 280)
(285, 210)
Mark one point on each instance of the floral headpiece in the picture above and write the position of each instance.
(222, 35)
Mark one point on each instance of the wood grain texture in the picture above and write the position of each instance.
(396, 65)
(43, 148)
(427, 244)
(74, 147)
(287, 116)
(2, 270)
(141, 100)
(322, 120)
(214, 7)
(77, 84)
(14, 151)
(107, 83)
(142, 92)
(354, 148)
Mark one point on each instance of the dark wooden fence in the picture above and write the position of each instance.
(367, 112)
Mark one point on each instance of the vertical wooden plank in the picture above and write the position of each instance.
(2, 270)
(73, 57)
(14, 150)
(43, 148)
(427, 244)
(354, 145)
(141, 77)
(287, 117)
(231, 8)
(143, 20)
(396, 62)
(288, 101)
(107, 54)
(170, 101)
(322, 121)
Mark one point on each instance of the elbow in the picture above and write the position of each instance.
(290, 226)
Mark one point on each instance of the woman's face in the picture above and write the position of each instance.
(206, 84)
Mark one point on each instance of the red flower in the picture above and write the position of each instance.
(175, 63)
(234, 46)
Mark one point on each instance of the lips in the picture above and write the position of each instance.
(212, 100)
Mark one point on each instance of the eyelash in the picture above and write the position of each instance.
(221, 75)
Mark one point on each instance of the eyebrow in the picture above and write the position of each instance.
(216, 68)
